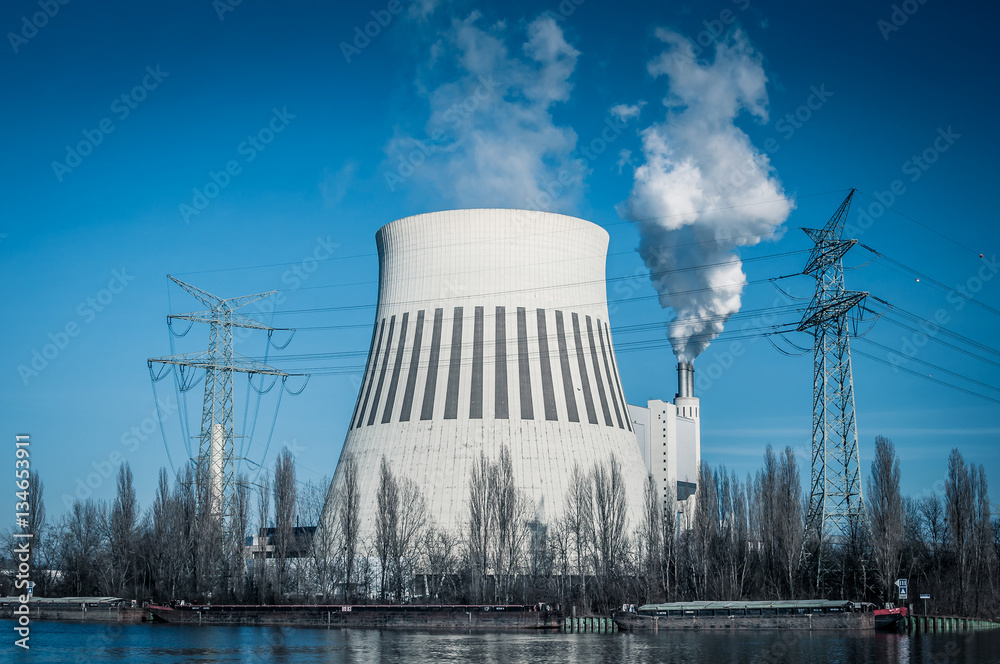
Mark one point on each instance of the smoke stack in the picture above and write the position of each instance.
(685, 379)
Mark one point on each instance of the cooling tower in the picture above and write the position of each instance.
(491, 329)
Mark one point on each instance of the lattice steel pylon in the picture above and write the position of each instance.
(215, 463)
(836, 506)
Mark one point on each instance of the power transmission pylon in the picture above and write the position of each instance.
(215, 464)
(836, 506)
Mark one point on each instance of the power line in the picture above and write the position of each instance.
(926, 377)
(605, 226)
(922, 225)
(910, 358)
(933, 281)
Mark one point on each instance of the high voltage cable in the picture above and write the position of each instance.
(922, 225)
(559, 286)
(926, 363)
(934, 338)
(921, 275)
(627, 347)
(607, 225)
(934, 328)
(467, 345)
(625, 300)
(926, 377)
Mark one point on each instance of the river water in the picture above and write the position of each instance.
(64, 642)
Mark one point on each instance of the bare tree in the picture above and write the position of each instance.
(509, 515)
(37, 527)
(705, 531)
(284, 517)
(441, 551)
(789, 516)
(668, 569)
(480, 526)
(885, 512)
(82, 544)
(579, 519)
(959, 502)
(610, 537)
(263, 521)
(408, 537)
(120, 531)
(240, 528)
(386, 524)
(350, 521)
(650, 538)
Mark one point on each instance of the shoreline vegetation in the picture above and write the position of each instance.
(743, 540)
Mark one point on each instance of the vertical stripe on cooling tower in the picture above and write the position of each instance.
(611, 378)
(361, 389)
(476, 399)
(411, 376)
(571, 409)
(454, 367)
(397, 365)
(381, 375)
(523, 377)
(548, 394)
(500, 366)
(588, 397)
(427, 409)
(597, 374)
(618, 376)
(370, 376)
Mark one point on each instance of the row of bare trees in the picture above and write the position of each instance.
(742, 538)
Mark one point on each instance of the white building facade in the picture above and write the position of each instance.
(669, 440)
(491, 330)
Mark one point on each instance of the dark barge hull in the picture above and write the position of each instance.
(639, 622)
(503, 617)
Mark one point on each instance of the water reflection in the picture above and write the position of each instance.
(168, 644)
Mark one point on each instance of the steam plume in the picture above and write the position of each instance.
(491, 140)
(704, 189)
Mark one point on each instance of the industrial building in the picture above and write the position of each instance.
(492, 330)
(669, 438)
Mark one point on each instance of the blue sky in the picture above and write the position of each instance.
(164, 98)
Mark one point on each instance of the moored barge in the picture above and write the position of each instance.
(792, 614)
(381, 616)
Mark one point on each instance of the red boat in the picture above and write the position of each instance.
(889, 618)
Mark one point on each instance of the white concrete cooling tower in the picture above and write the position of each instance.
(491, 329)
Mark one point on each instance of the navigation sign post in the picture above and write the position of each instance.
(902, 584)
(925, 597)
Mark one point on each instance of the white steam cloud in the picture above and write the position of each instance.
(703, 190)
(490, 140)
